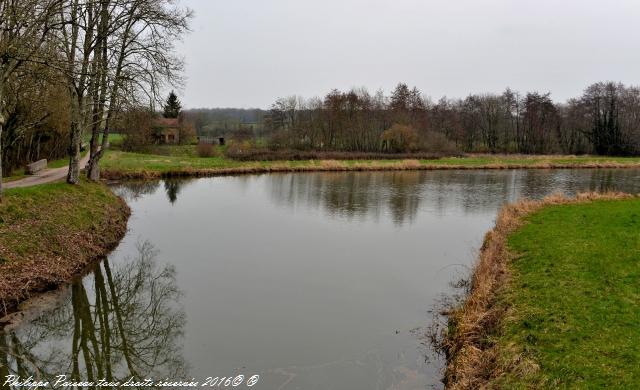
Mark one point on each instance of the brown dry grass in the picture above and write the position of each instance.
(206, 150)
(472, 359)
(264, 154)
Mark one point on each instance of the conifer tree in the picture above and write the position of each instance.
(172, 106)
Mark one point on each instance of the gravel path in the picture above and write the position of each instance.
(45, 176)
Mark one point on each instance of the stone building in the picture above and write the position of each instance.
(166, 131)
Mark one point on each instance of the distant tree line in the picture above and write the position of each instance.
(221, 121)
(604, 120)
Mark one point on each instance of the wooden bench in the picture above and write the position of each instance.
(35, 167)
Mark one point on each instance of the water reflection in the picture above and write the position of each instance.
(351, 194)
(136, 189)
(401, 194)
(330, 289)
(173, 187)
(114, 324)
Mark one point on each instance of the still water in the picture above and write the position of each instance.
(311, 281)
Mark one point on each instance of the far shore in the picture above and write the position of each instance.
(180, 162)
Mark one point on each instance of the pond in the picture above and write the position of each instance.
(311, 281)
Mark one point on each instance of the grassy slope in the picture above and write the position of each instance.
(50, 232)
(183, 159)
(575, 297)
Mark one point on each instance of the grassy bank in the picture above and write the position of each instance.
(554, 299)
(51, 232)
(182, 161)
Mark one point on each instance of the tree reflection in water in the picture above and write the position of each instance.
(115, 324)
(136, 189)
(401, 194)
(172, 187)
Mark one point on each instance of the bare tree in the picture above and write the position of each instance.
(24, 27)
(77, 42)
(135, 62)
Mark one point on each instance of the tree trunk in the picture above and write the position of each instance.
(3, 119)
(1, 189)
(94, 170)
(73, 176)
(95, 131)
(99, 92)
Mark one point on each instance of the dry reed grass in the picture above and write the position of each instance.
(263, 154)
(472, 360)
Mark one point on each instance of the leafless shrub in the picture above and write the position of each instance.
(400, 139)
(267, 154)
(437, 143)
(206, 150)
(137, 128)
(186, 133)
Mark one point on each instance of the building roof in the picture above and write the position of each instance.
(166, 122)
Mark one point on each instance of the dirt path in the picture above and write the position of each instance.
(45, 176)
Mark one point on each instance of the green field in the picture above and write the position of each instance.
(115, 139)
(574, 299)
(178, 157)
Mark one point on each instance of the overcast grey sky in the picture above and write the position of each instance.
(247, 53)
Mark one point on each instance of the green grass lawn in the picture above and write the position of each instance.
(115, 139)
(575, 298)
(181, 159)
(57, 208)
(63, 162)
